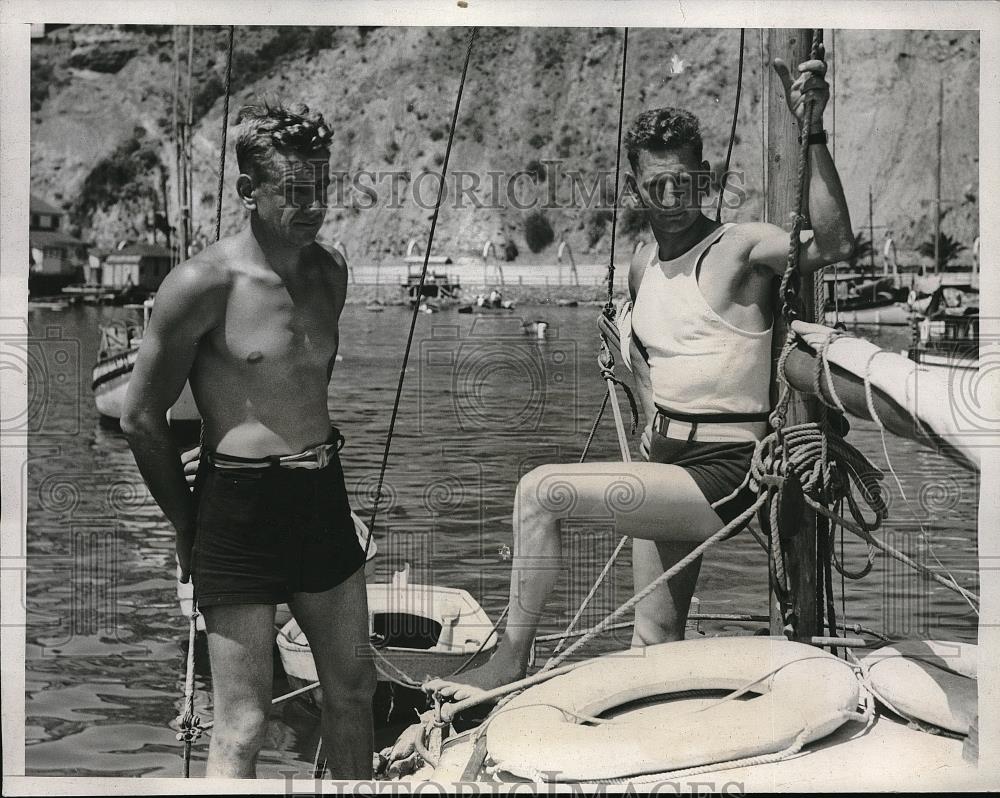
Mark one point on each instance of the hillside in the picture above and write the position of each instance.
(101, 123)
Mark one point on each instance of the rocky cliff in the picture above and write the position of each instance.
(102, 142)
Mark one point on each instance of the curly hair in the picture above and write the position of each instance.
(662, 129)
(269, 129)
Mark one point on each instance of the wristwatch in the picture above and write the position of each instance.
(815, 138)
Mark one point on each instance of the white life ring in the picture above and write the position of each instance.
(801, 690)
(929, 680)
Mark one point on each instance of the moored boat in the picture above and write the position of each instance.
(947, 339)
(117, 353)
(421, 631)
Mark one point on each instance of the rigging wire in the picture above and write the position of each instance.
(420, 287)
(732, 130)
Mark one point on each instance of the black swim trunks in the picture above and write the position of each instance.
(265, 531)
(717, 468)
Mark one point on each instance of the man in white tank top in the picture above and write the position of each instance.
(701, 349)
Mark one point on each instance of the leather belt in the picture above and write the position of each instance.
(315, 457)
(690, 422)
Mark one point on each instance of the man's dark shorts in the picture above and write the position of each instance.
(266, 533)
(717, 468)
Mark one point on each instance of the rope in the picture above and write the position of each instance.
(732, 130)
(618, 159)
(190, 724)
(420, 289)
(727, 530)
(225, 127)
(482, 645)
(791, 280)
(863, 529)
(594, 426)
(449, 711)
(586, 602)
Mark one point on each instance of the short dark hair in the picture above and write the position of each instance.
(267, 129)
(662, 129)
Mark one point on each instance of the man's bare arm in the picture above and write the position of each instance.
(832, 238)
(184, 312)
(338, 266)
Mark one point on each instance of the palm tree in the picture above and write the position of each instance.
(862, 252)
(948, 249)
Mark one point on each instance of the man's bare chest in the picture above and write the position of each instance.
(280, 326)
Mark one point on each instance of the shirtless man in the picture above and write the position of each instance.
(701, 341)
(253, 322)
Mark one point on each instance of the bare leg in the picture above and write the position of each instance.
(662, 615)
(240, 637)
(651, 501)
(336, 624)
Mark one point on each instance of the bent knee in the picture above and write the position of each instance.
(545, 490)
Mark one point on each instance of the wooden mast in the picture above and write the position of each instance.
(798, 525)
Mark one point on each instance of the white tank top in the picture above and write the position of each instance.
(699, 362)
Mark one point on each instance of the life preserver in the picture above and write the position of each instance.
(803, 689)
(933, 681)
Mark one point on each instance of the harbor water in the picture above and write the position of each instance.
(482, 404)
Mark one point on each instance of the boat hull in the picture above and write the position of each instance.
(896, 315)
(888, 756)
(110, 378)
(426, 631)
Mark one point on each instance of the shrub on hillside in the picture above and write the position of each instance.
(565, 145)
(102, 58)
(128, 173)
(536, 169)
(204, 98)
(538, 232)
(538, 140)
(597, 222)
(321, 38)
(41, 82)
(631, 223)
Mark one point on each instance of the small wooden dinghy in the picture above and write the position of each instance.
(421, 630)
